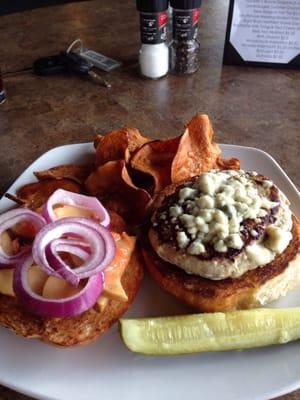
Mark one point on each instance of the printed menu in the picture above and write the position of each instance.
(263, 32)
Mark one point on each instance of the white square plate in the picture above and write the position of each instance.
(106, 369)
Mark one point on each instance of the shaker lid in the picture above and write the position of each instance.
(185, 4)
(152, 5)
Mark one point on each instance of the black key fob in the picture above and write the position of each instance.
(75, 63)
(49, 66)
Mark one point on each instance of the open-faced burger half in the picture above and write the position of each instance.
(224, 240)
(68, 271)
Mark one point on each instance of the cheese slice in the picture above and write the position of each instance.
(6, 275)
(36, 279)
(57, 288)
(101, 304)
(6, 243)
(63, 211)
(6, 282)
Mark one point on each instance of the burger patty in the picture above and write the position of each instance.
(166, 232)
(226, 294)
(213, 263)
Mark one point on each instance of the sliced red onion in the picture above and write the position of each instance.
(79, 249)
(8, 220)
(67, 307)
(110, 248)
(65, 197)
(101, 245)
(69, 245)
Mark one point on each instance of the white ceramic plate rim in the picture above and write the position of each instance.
(75, 152)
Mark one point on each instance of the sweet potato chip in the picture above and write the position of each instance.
(114, 187)
(97, 140)
(117, 145)
(105, 179)
(155, 158)
(34, 195)
(173, 160)
(141, 180)
(196, 152)
(130, 167)
(74, 172)
(231, 163)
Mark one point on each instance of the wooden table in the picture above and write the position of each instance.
(248, 106)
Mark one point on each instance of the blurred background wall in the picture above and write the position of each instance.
(11, 6)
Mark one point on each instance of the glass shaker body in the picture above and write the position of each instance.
(184, 48)
(154, 52)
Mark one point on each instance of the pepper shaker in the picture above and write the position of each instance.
(184, 48)
(154, 52)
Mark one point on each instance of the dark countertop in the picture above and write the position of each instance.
(256, 107)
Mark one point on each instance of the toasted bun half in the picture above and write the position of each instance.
(254, 288)
(74, 330)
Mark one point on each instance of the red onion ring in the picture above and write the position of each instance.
(69, 245)
(74, 247)
(101, 244)
(64, 197)
(8, 220)
(67, 307)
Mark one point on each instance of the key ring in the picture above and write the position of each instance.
(75, 44)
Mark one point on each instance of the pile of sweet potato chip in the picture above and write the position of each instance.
(129, 169)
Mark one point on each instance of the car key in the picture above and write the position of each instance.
(49, 66)
(78, 65)
(63, 62)
(66, 62)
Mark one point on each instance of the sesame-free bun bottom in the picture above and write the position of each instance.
(254, 288)
(72, 330)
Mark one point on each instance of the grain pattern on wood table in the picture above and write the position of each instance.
(256, 107)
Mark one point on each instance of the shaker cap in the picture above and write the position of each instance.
(185, 4)
(152, 5)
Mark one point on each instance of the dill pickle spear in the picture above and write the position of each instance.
(194, 333)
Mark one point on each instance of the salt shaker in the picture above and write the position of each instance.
(184, 48)
(154, 52)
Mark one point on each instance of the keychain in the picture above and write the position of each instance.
(67, 62)
(78, 60)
